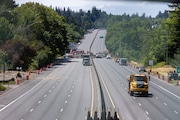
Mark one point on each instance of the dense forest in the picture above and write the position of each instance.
(141, 38)
(33, 35)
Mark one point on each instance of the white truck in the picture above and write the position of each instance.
(122, 61)
(86, 60)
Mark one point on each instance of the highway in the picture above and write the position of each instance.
(68, 90)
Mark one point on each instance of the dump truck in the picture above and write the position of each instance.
(86, 59)
(123, 61)
(138, 84)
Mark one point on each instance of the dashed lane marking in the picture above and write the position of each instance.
(61, 110)
(176, 112)
(39, 102)
(165, 104)
(147, 112)
(31, 110)
(166, 90)
(19, 97)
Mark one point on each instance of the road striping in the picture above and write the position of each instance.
(176, 112)
(166, 90)
(39, 102)
(61, 110)
(147, 112)
(19, 97)
(31, 110)
(165, 104)
(92, 93)
(105, 86)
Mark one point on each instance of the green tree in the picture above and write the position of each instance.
(6, 30)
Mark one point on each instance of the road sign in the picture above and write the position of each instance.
(178, 69)
(151, 62)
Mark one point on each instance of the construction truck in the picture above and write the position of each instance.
(86, 59)
(138, 84)
(122, 61)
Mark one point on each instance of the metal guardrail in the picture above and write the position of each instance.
(105, 115)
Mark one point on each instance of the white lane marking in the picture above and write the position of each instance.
(108, 93)
(61, 110)
(45, 95)
(19, 97)
(139, 104)
(71, 90)
(166, 90)
(147, 112)
(134, 98)
(31, 110)
(156, 97)
(69, 95)
(39, 102)
(92, 93)
(176, 112)
(65, 102)
(165, 104)
(49, 90)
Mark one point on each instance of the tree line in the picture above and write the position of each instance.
(141, 38)
(33, 35)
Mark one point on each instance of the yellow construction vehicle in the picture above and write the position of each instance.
(138, 83)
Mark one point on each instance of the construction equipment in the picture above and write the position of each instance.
(86, 60)
(138, 84)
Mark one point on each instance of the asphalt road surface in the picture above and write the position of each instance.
(68, 90)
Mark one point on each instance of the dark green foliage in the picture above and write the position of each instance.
(33, 35)
(2, 88)
(19, 53)
(143, 38)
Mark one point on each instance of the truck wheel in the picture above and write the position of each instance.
(131, 93)
(145, 93)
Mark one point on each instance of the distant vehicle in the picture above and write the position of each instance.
(108, 57)
(86, 59)
(138, 83)
(142, 69)
(123, 61)
(100, 55)
(101, 37)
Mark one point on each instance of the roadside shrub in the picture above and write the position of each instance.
(2, 88)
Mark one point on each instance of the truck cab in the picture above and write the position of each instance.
(86, 59)
(138, 83)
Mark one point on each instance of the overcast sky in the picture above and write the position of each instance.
(114, 7)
